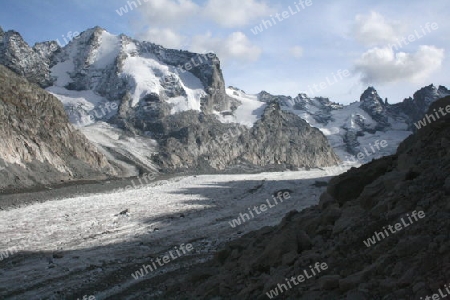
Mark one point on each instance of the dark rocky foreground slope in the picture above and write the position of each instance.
(408, 264)
(37, 143)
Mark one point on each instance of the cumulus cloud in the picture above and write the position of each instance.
(235, 46)
(383, 65)
(228, 14)
(165, 37)
(169, 19)
(163, 13)
(296, 51)
(235, 13)
(373, 29)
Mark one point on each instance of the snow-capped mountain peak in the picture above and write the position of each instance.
(111, 65)
(176, 101)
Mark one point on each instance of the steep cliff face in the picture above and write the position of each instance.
(38, 145)
(410, 189)
(281, 136)
(279, 139)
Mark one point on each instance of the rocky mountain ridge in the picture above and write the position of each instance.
(146, 107)
(171, 105)
(351, 128)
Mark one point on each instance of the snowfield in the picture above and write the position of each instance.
(248, 112)
(91, 244)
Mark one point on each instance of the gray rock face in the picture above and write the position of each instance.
(38, 145)
(281, 136)
(279, 139)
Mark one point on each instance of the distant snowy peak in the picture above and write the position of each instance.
(371, 95)
(350, 128)
(374, 105)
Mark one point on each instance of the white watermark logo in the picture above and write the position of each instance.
(335, 78)
(358, 158)
(280, 17)
(438, 296)
(263, 207)
(405, 41)
(379, 236)
(163, 260)
(432, 118)
(313, 271)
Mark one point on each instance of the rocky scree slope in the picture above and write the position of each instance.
(37, 143)
(409, 264)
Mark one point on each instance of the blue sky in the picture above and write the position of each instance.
(321, 47)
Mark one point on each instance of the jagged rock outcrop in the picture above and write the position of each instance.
(372, 103)
(414, 108)
(37, 143)
(279, 139)
(409, 263)
(32, 63)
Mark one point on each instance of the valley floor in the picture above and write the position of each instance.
(92, 244)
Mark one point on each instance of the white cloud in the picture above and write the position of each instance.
(229, 14)
(169, 13)
(168, 18)
(235, 13)
(235, 46)
(373, 29)
(383, 65)
(296, 51)
(165, 37)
